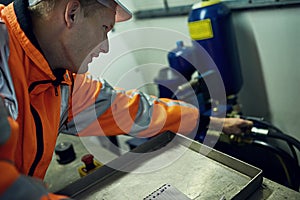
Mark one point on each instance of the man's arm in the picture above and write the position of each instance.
(98, 109)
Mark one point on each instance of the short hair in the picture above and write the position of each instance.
(45, 7)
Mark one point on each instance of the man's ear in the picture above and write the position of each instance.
(72, 11)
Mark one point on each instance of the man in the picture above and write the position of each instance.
(46, 46)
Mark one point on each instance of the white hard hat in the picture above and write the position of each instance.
(122, 13)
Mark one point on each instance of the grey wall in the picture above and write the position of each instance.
(269, 49)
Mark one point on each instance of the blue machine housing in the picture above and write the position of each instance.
(210, 26)
(180, 59)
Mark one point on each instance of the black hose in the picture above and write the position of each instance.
(286, 138)
(279, 154)
(275, 132)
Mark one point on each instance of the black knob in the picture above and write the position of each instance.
(64, 152)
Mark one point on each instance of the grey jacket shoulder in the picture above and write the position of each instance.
(3, 35)
(7, 90)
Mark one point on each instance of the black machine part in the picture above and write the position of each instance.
(64, 152)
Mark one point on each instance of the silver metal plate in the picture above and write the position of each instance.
(196, 170)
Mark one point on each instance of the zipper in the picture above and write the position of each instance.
(55, 90)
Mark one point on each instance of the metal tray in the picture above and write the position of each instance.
(194, 169)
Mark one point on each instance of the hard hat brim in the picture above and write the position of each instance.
(122, 13)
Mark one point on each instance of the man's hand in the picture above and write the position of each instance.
(235, 126)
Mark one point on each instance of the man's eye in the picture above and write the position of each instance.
(105, 27)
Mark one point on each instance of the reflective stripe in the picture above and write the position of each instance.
(25, 188)
(5, 128)
(65, 95)
(144, 115)
(6, 85)
(90, 114)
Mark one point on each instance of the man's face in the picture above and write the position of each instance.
(89, 37)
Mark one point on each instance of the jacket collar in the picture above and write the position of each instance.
(23, 17)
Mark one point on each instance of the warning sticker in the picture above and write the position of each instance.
(200, 30)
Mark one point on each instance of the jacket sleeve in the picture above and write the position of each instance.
(96, 108)
(14, 185)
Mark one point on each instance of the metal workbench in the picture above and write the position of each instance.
(193, 169)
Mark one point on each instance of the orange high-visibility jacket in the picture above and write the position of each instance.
(44, 103)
